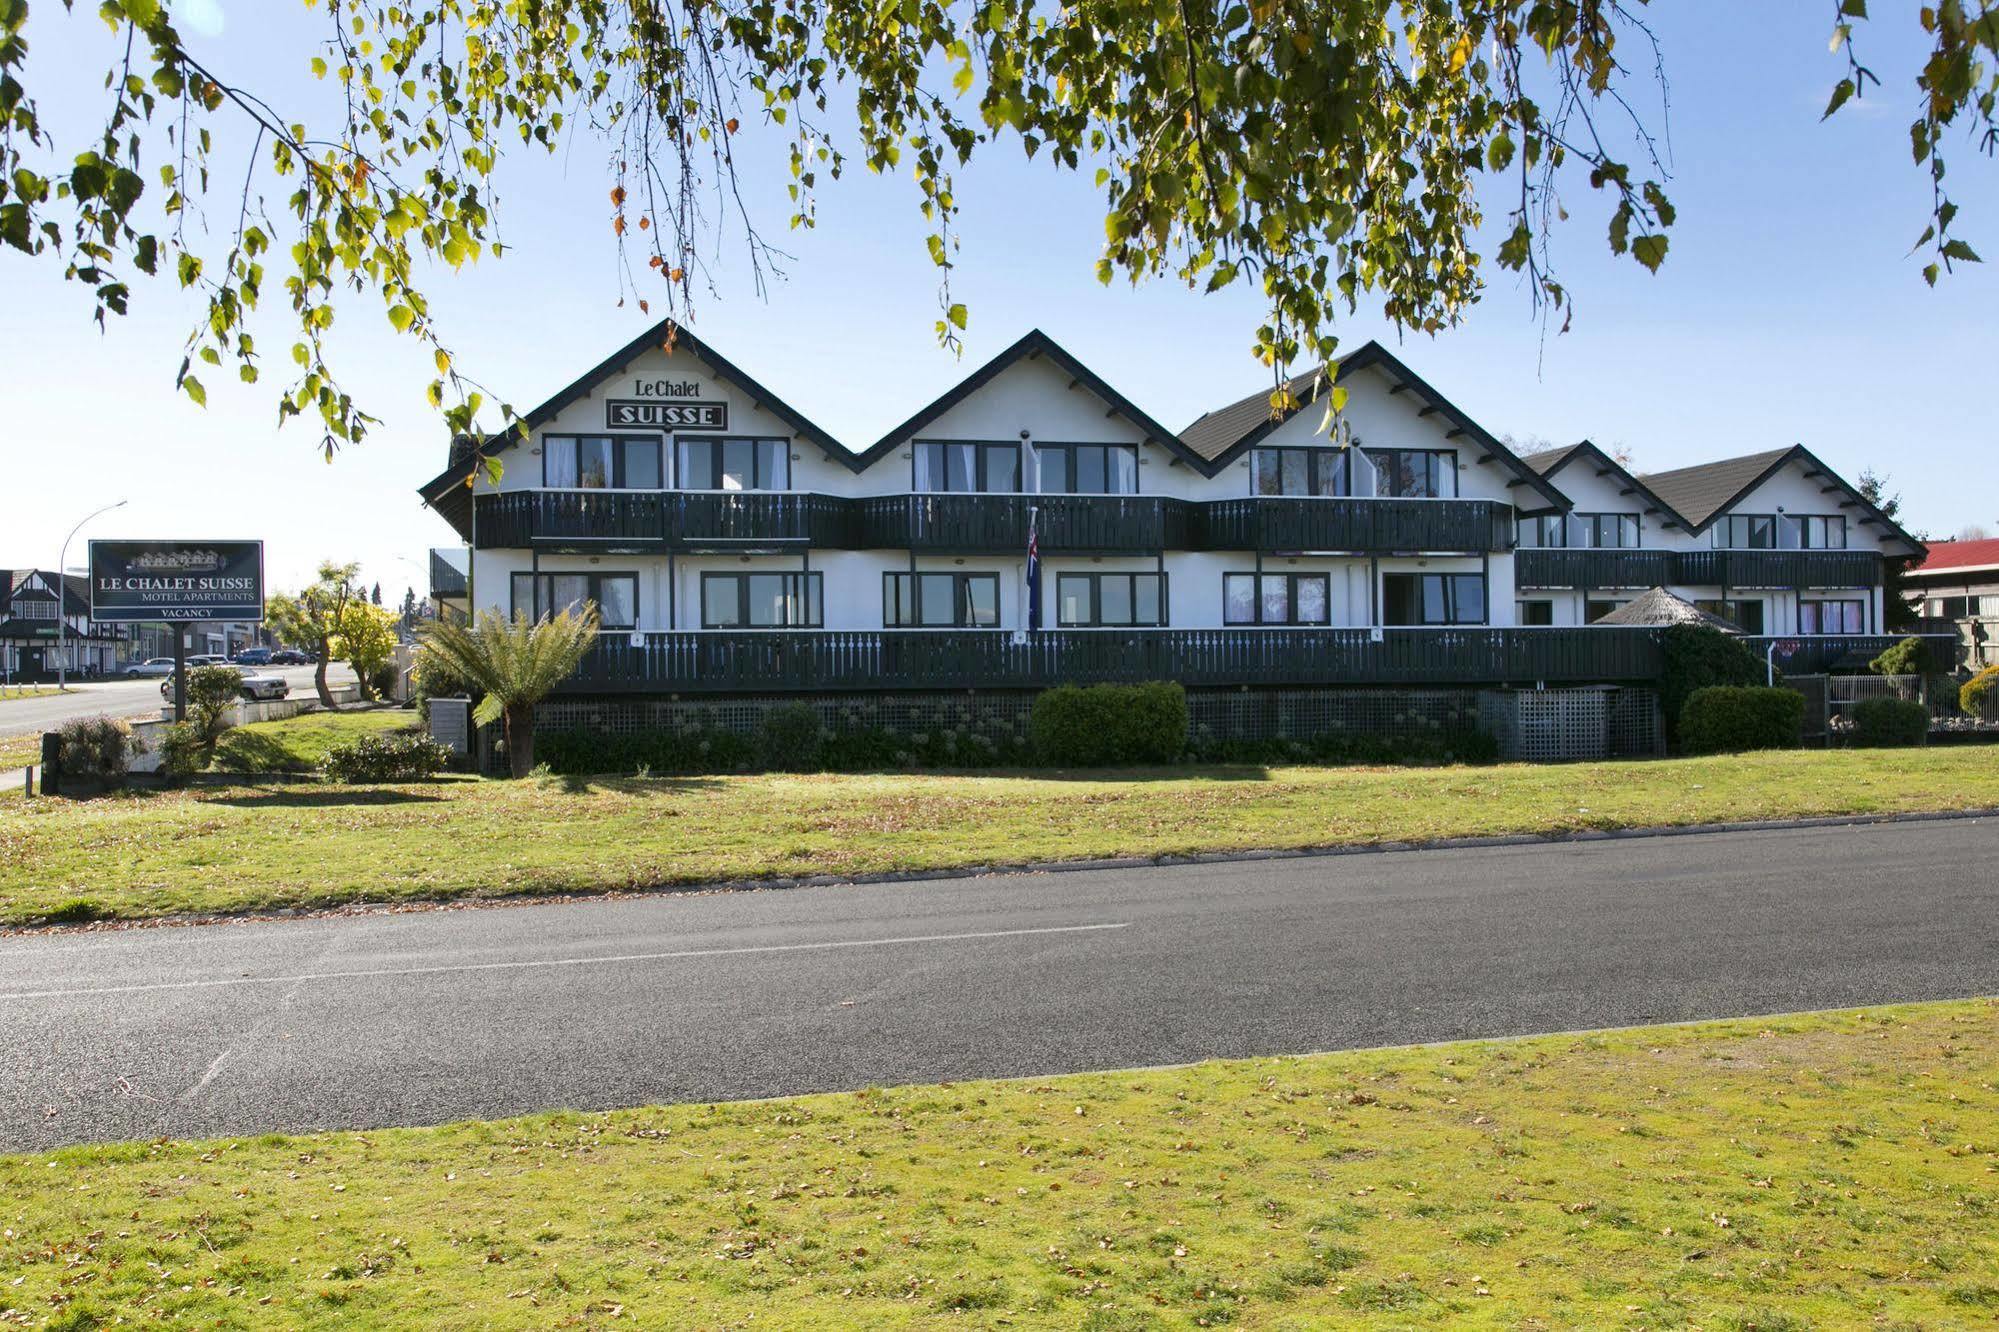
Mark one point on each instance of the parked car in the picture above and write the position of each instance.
(290, 657)
(252, 656)
(251, 686)
(149, 669)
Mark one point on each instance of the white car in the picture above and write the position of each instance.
(250, 685)
(152, 668)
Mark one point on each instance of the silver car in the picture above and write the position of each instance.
(250, 685)
(150, 669)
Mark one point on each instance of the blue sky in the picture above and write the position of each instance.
(1788, 311)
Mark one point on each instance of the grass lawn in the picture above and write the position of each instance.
(299, 744)
(13, 691)
(209, 848)
(18, 751)
(1818, 1171)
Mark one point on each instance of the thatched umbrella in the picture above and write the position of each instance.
(1660, 607)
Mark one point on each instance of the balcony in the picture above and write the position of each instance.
(1380, 525)
(997, 524)
(729, 662)
(1780, 568)
(1593, 568)
(659, 521)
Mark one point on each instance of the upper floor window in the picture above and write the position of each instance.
(1088, 469)
(1295, 471)
(1276, 598)
(955, 466)
(940, 600)
(1544, 531)
(1408, 598)
(1415, 473)
(1746, 531)
(730, 463)
(35, 610)
(1810, 531)
(1608, 531)
(600, 462)
(1745, 613)
(616, 595)
(1084, 600)
(761, 601)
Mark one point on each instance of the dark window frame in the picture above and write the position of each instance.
(1318, 458)
(618, 462)
(1803, 524)
(541, 596)
(1729, 608)
(1725, 528)
(961, 605)
(985, 449)
(1070, 449)
(1595, 608)
(715, 469)
(1453, 617)
(1817, 604)
(1291, 580)
(1446, 467)
(1096, 620)
(812, 593)
(1521, 615)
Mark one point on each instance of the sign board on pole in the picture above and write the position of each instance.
(176, 581)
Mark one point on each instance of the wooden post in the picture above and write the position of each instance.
(180, 672)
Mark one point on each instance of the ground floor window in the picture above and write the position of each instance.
(616, 595)
(1276, 598)
(940, 600)
(1538, 611)
(1745, 614)
(761, 601)
(1432, 598)
(1595, 609)
(1089, 600)
(1832, 617)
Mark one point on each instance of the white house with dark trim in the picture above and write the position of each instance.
(1033, 525)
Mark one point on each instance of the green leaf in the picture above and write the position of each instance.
(957, 314)
(1958, 250)
(1649, 251)
(401, 316)
(1841, 91)
(192, 387)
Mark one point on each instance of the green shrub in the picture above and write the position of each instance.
(1908, 657)
(788, 739)
(1699, 656)
(382, 681)
(1887, 722)
(1109, 725)
(1726, 718)
(211, 692)
(392, 756)
(1979, 696)
(93, 750)
(182, 754)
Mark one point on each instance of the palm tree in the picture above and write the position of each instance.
(516, 662)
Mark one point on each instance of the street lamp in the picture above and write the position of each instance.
(62, 596)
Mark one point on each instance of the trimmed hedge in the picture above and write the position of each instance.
(1979, 696)
(1723, 719)
(789, 739)
(1108, 725)
(1699, 657)
(1890, 722)
(395, 756)
(93, 750)
(691, 750)
(1908, 657)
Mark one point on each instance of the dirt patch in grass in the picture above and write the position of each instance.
(1829, 1170)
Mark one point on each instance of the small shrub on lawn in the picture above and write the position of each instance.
(1724, 719)
(788, 739)
(1979, 696)
(1885, 722)
(94, 750)
(1698, 656)
(211, 690)
(182, 754)
(1908, 657)
(1109, 725)
(398, 756)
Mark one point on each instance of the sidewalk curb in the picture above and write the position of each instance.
(1164, 861)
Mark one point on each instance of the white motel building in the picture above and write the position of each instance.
(1034, 526)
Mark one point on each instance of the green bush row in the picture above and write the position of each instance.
(93, 751)
(1413, 748)
(395, 756)
(784, 742)
(1888, 722)
(1109, 725)
(1723, 719)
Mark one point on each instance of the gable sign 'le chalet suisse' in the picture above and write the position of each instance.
(664, 402)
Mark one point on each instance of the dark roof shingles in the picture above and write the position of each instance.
(1697, 493)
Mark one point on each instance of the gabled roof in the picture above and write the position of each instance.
(466, 452)
(1550, 462)
(1033, 344)
(1706, 491)
(1249, 420)
(1945, 556)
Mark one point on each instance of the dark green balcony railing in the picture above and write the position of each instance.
(1696, 568)
(1289, 524)
(1815, 654)
(723, 662)
(997, 524)
(661, 520)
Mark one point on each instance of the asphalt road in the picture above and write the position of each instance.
(119, 698)
(419, 1018)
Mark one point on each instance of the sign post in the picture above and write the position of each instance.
(177, 583)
